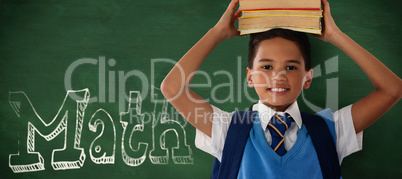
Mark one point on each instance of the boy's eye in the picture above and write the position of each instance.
(267, 67)
(291, 68)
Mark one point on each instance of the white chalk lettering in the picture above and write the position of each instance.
(161, 124)
(102, 153)
(102, 150)
(27, 159)
(133, 157)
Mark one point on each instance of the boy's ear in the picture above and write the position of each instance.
(308, 79)
(249, 79)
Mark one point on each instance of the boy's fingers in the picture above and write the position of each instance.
(325, 4)
(232, 5)
(238, 33)
(237, 14)
(234, 2)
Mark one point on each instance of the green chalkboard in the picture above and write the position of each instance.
(80, 81)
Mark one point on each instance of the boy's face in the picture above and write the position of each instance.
(278, 73)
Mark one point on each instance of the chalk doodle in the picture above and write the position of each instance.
(161, 124)
(133, 157)
(69, 121)
(102, 153)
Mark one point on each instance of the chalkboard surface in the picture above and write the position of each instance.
(80, 79)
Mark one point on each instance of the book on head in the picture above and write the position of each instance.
(262, 15)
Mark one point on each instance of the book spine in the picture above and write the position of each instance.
(256, 4)
(296, 15)
(271, 21)
(287, 9)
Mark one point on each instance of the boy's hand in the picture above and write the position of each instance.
(225, 26)
(330, 30)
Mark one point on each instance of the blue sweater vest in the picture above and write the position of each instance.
(301, 161)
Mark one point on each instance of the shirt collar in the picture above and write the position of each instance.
(265, 113)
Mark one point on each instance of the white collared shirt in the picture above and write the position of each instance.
(347, 140)
(265, 113)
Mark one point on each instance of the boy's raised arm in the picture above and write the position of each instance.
(388, 86)
(175, 86)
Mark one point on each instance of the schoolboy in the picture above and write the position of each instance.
(278, 70)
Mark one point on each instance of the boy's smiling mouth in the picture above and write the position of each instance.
(278, 89)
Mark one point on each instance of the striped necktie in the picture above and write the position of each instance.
(277, 127)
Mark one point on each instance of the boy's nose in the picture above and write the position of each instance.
(279, 76)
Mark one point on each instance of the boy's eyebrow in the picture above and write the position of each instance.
(293, 61)
(270, 60)
(265, 60)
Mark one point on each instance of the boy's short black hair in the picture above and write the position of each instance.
(299, 38)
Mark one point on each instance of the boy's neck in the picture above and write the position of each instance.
(277, 108)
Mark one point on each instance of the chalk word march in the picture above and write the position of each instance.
(27, 159)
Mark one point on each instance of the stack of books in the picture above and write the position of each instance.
(262, 15)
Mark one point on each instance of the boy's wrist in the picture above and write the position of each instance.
(336, 38)
(217, 33)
